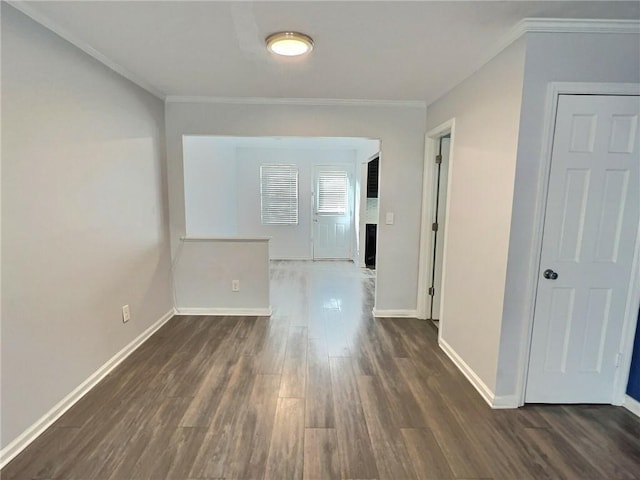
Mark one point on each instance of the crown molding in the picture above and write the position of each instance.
(527, 25)
(578, 25)
(316, 102)
(24, 7)
(551, 25)
(562, 25)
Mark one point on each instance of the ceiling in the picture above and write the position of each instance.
(380, 50)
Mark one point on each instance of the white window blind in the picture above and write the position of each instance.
(279, 194)
(332, 192)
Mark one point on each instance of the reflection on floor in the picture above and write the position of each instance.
(321, 390)
(324, 297)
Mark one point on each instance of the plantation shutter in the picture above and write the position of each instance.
(279, 194)
(332, 192)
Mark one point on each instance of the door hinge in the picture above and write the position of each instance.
(432, 291)
(438, 159)
(618, 359)
(434, 226)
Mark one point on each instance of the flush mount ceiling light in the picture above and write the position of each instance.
(290, 44)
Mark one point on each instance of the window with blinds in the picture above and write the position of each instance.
(279, 194)
(332, 192)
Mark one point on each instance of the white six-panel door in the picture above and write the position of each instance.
(590, 235)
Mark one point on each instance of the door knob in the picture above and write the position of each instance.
(550, 274)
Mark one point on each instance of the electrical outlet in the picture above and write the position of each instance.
(126, 314)
(389, 218)
(235, 285)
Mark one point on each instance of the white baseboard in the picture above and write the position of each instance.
(505, 401)
(395, 313)
(44, 422)
(632, 405)
(303, 258)
(468, 372)
(224, 312)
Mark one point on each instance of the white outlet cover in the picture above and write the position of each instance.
(390, 218)
(126, 314)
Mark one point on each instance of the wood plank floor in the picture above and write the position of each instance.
(321, 390)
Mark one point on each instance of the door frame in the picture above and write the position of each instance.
(554, 90)
(425, 263)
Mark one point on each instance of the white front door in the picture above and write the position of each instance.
(590, 235)
(333, 212)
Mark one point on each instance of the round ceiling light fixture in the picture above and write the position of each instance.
(289, 44)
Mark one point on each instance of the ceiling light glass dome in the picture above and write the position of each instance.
(289, 44)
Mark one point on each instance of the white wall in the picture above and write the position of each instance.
(210, 187)
(486, 108)
(84, 218)
(204, 270)
(401, 130)
(550, 58)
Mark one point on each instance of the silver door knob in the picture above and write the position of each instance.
(549, 274)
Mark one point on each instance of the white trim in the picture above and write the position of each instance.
(300, 258)
(538, 223)
(628, 327)
(395, 313)
(225, 239)
(510, 37)
(578, 25)
(44, 422)
(552, 25)
(560, 25)
(527, 25)
(226, 312)
(553, 91)
(424, 259)
(428, 199)
(505, 401)
(468, 372)
(33, 13)
(314, 102)
(584, 88)
(632, 405)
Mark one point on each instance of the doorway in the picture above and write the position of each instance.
(437, 226)
(437, 171)
(588, 256)
(372, 173)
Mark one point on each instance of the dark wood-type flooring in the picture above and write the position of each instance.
(321, 390)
